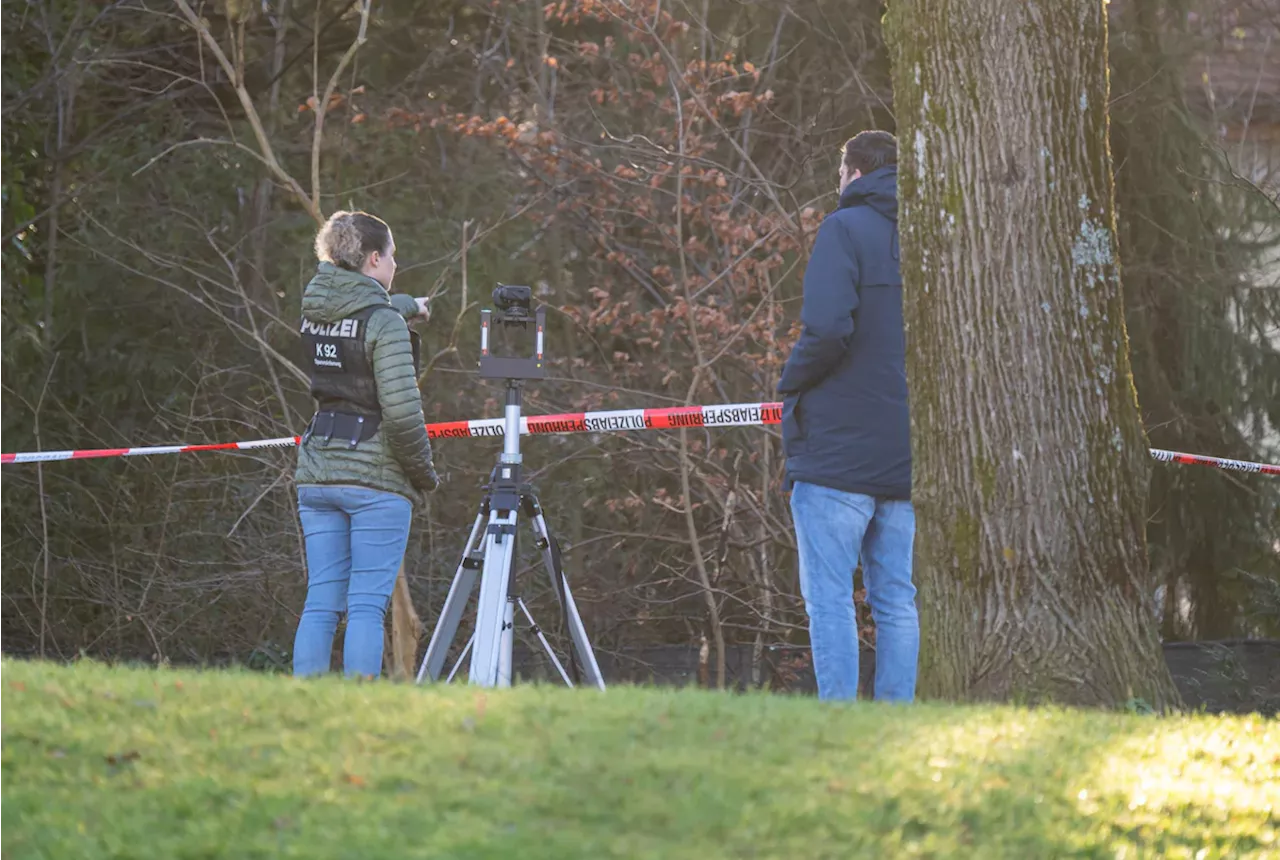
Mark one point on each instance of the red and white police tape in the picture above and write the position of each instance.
(731, 415)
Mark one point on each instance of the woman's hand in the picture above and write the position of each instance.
(424, 307)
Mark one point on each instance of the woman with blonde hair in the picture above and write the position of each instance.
(365, 457)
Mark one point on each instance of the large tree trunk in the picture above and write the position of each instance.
(1030, 460)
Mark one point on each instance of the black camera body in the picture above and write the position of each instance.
(513, 303)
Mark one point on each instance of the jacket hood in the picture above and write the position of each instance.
(877, 189)
(336, 293)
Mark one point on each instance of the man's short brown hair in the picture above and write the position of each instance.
(868, 150)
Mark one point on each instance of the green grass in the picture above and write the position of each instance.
(114, 762)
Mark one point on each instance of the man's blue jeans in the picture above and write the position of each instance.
(355, 539)
(833, 529)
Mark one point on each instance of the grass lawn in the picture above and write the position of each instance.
(114, 762)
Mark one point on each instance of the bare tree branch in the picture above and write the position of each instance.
(251, 112)
(322, 104)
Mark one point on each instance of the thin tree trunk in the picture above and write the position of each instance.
(1030, 460)
(44, 515)
(50, 286)
(764, 578)
(55, 150)
(405, 633)
(262, 199)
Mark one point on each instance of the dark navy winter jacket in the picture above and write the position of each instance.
(844, 388)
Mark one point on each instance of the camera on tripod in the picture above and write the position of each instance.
(490, 554)
(513, 304)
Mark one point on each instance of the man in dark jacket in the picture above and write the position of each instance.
(846, 432)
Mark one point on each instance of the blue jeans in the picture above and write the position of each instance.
(355, 539)
(834, 529)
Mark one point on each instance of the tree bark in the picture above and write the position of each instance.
(401, 649)
(1030, 459)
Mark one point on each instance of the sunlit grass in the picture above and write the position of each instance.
(109, 762)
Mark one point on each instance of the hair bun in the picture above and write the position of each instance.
(348, 238)
(339, 242)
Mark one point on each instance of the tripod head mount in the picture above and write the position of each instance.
(512, 311)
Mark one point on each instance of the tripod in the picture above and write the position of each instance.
(491, 553)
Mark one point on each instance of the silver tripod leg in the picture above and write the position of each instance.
(507, 640)
(464, 581)
(495, 579)
(545, 644)
(586, 656)
(461, 657)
